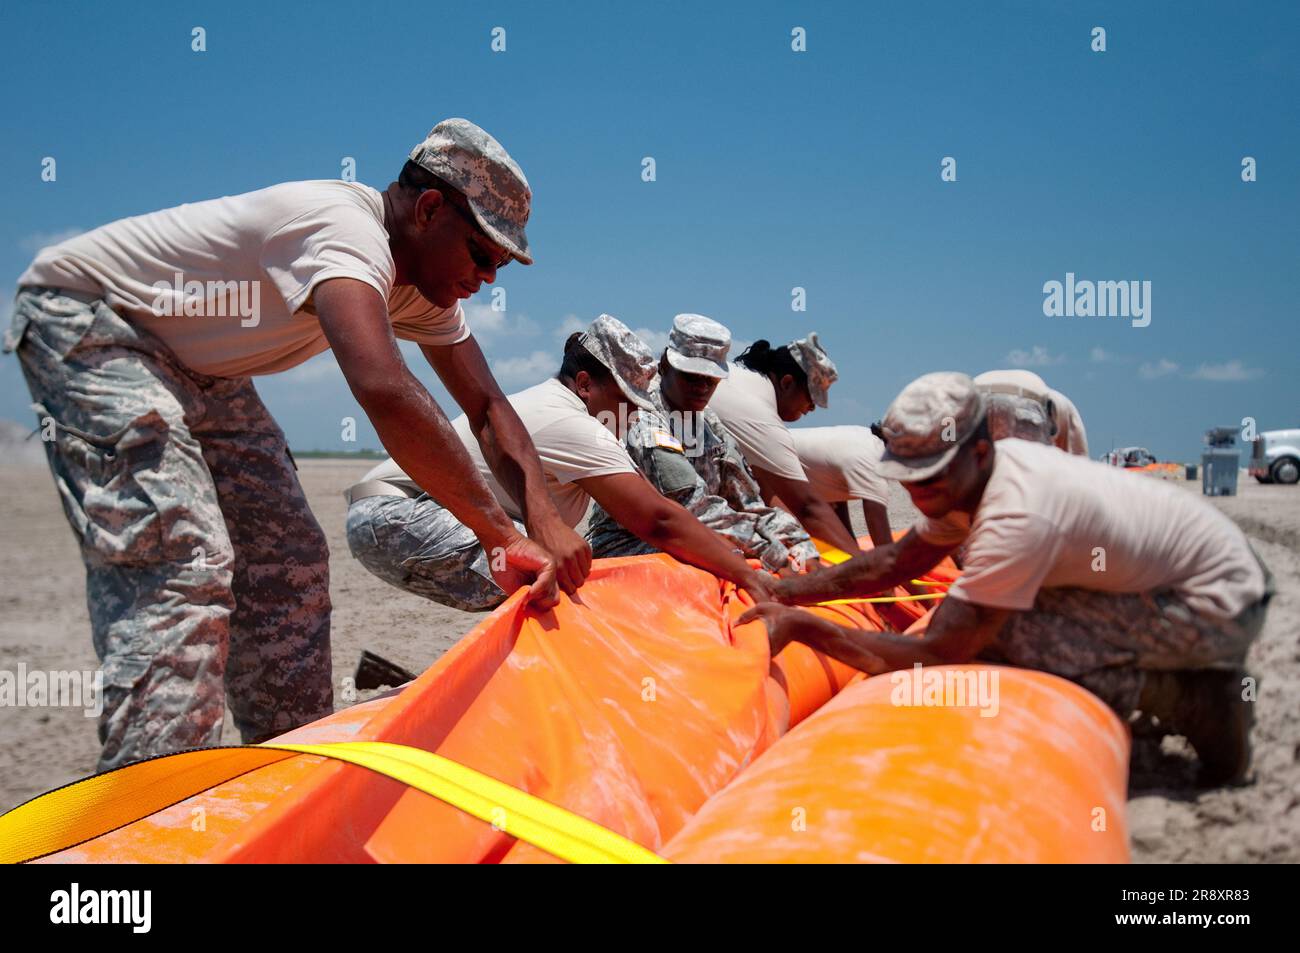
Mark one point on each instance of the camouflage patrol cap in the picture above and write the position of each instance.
(624, 355)
(699, 345)
(1025, 385)
(468, 159)
(927, 423)
(1011, 415)
(809, 354)
(1017, 383)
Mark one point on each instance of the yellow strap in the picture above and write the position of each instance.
(85, 809)
(830, 553)
(837, 556)
(849, 602)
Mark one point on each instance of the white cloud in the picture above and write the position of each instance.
(1228, 372)
(1162, 368)
(569, 324)
(1101, 356)
(1037, 356)
(38, 240)
(525, 371)
(655, 340)
(488, 324)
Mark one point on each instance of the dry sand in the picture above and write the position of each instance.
(44, 625)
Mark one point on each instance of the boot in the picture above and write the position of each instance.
(1206, 707)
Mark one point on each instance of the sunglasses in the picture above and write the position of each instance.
(481, 258)
(937, 478)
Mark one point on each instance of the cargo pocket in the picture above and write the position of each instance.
(60, 322)
(122, 671)
(115, 517)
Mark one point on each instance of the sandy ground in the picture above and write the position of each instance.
(44, 625)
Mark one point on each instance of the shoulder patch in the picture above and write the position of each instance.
(666, 441)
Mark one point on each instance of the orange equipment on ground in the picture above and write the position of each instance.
(640, 705)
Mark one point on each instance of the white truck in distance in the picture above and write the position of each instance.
(1276, 457)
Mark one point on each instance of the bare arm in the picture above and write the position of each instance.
(877, 570)
(632, 501)
(842, 511)
(510, 453)
(413, 428)
(877, 520)
(958, 632)
(808, 508)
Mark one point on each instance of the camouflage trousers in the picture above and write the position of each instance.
(419, 547)
(1105, 641)
(207, 577)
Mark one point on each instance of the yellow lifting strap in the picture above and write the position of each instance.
(836, 556)
(85, 809)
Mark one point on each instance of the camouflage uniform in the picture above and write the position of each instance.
(419, 547)
(701, 468)
(693, 460)
(1106, 640)
(206, 573)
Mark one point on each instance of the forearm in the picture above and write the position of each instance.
(510, 454)
(416, 432)
(864, 575)
(677, 533)
(842, 512)
(877, 520)
(862, 649)
(821, 523)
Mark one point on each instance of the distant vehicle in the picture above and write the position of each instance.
(1129, 457)
(1276, 457)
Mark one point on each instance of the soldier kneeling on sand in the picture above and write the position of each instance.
(1139, 591)
(689, 456)
(404, 536)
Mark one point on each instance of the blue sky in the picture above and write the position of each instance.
(775, 169)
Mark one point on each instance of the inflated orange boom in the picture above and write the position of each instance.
(641, 706)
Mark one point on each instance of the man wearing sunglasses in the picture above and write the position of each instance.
(1139, 591)
(207, 575)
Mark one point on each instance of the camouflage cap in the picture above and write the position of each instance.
(1011, 415)
(927, 423)
(809, 354)
(1017, 383)
(625, 355)
(468, 159)
(699, 345)
(1023, 384)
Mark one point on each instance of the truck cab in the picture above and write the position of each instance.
(1276, 456)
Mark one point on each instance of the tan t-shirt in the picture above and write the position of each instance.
(746, 404)
(840, 462)
(571, 444)
(1050, 519)
(220, 281)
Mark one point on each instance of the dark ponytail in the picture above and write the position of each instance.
(762, 357)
